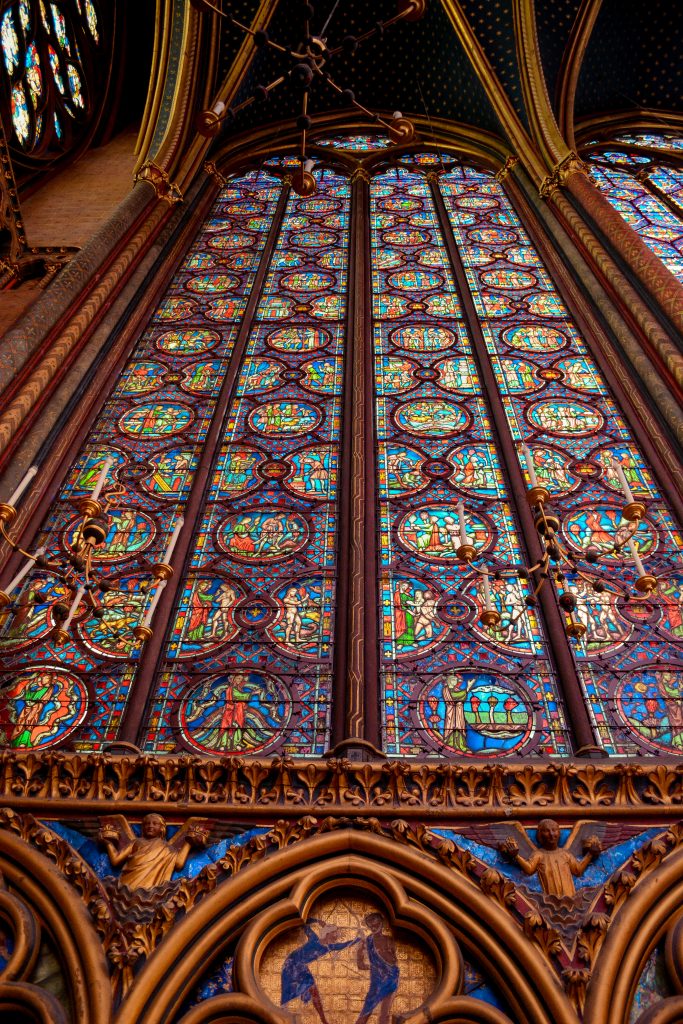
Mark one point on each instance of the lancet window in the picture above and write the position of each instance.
(642, 176)
(401, 500)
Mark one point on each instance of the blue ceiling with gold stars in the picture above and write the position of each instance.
(634, 59)
(418, 68)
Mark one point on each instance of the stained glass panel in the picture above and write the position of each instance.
(20, 115)
(629, 659)
(623, 178)
(42, 46)
(153, 428)
(651, 141)
(357, 143)
(250, 654)
(10, 43)
(450, 685)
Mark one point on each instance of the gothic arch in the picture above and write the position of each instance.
(39, 888)
(652, 909)
(387, 869)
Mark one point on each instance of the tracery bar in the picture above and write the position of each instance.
(153, 427)
(450, 686)
(248, 661)
(556, 402)
(616, 175)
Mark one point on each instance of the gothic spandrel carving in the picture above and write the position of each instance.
(555, 865)
(149, 860)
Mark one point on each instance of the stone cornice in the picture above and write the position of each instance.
(249, 789)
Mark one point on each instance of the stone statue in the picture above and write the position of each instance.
(149, 860)
(555, 865)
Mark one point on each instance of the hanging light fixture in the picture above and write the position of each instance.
(309, 64)
(76, 571)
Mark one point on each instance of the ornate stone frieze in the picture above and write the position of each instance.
(250, 787)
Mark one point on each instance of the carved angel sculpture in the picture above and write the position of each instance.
(150, 859)
(555, 865)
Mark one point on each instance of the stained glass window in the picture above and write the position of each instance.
(449, 684)
(46, 51)
(646, 192)
(629, 660)
(235, 412)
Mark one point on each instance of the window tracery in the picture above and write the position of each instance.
(231, 412)
(646, 188)
(50, 52)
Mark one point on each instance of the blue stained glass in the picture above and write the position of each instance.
(249, 660)
(75, 85)
(91, 17)
(33, 75)
(358, 143)
(153, 427)
(54, 64)
(60, 27)
(629, 659)
(450, 686)
(655, 222)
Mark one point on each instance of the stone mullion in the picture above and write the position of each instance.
(558, 645)
(356, 667)
(152, 658)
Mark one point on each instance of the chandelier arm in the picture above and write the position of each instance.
(337, 88)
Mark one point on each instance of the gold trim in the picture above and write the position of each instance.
(163, 187)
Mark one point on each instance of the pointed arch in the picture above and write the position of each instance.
(480, 925)
(45, 891)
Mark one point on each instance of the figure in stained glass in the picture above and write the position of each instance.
(129, 532)
(188, 343)
(605, 529)
(650, 703)
(283, 418)
(423, 339)
(261, 535)
(240, 712)
(156, 419)
(565, 418)
(431, 416)
(433, 532)
(303, 622)
(475, 713)
(475, 470)
(534, 338)
(314, 472)
(41, 707)
(29, 616)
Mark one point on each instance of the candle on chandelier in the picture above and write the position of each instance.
(397, 115)
(309, 165)
(623, 482)
(464, 539)
(530, 468)
(218, 107)
(104, 473)
(23, 571)
(74, 608)
(25, 481)
(173, 541)
(633, 548)
(488, 604)
(146, 622)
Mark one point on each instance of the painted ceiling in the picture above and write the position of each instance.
(633, 59)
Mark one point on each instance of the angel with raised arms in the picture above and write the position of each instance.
(149, 860)
(555, 865)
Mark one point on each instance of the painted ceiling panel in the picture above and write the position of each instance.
(554, 20)
(634, 58)
(418, 68)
